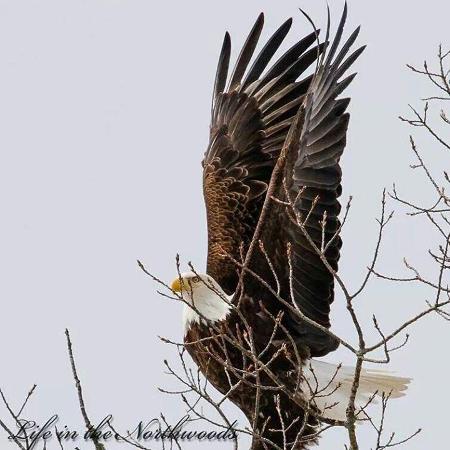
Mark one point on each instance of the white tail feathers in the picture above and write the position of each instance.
(329, 386)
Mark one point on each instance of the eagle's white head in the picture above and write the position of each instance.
(201, 291)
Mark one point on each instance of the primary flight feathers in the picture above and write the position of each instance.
(253, 110)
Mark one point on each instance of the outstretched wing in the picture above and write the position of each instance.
(252, 112)
(312, 179)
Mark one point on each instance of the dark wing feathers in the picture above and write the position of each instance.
(290, 73)
(267, 53)
(250, 121)
(246, 53)
(314, 175)
(337, 39)
(222, 67)
(290, 57)
(261, 110)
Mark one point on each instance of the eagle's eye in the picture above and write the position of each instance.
(195, 279)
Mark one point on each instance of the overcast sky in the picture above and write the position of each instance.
(104, 112)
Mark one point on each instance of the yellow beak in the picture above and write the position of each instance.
(176, 285)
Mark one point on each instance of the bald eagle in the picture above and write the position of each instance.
(276, 139)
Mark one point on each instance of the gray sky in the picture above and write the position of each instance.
(104, 109)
